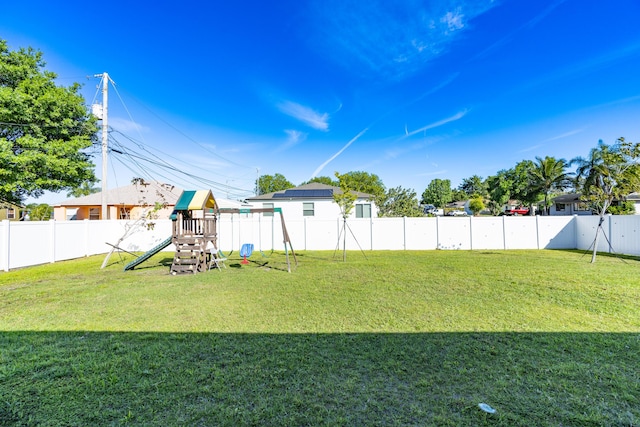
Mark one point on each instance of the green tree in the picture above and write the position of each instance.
(499, 191)
(39, 212)
(272, 183)
(476, 204)
(437, 193)
(626, 207)
(323, 180)
(610, 173)
(399, 202)
(345, 199)
(548, 176)
(44, 129)
(365, 182)
(473, 186)
(84, 189)
(458, 195)
(523, 188)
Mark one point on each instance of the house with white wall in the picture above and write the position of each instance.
(314, 200)
(570, 204)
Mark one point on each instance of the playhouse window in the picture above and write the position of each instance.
(363, 210)
(267, 206)
(560, 207)
(11, 213)
(307, 209)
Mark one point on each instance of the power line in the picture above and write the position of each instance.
(137, 159)
(202, 146)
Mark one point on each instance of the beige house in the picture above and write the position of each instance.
(129, 202)
(12, 211)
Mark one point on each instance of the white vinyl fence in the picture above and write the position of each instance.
(30, 243)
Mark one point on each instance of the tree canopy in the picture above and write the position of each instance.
(346, 200)
(323, 180)
(364, 182)
(438, 193)
(549, 175)
(44, 129)
(473, 186)
(399, 202)
(272, 183)
(610, 173)
(499, 188)
(522, 187)
(476, 204)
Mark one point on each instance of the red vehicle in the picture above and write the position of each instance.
(520, 210)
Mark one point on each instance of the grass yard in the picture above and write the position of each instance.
(396, 338)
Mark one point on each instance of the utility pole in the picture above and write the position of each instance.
(105, 139)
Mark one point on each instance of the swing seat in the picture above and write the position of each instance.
(245, 252)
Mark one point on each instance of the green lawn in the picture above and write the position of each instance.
(396, 338)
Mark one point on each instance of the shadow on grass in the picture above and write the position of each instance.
(586, 254)
(103, 378)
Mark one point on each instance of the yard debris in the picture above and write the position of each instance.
(486, 408)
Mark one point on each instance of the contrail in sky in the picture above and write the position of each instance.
(453, 118)
(354, 139)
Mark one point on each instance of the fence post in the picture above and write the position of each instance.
(371, 232)
(86, 237)
(52, 235)
(471, 232)
(437, 231)
(404, 233)
(504, 233)
(610, 235)
(538, 231)
(6, 243)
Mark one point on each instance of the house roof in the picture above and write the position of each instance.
(574, 197)
(9, 205)
(567, 198)
(130, 195)
(139, 194)
(313, 190)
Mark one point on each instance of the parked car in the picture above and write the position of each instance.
(521, 210)
(456, 213)
(429, 209)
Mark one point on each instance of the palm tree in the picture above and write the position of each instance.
(609, 173)
(548, 175)
(597, 174)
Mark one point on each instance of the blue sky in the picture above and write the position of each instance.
(408, 90)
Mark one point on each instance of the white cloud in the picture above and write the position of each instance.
(294, 137)
(306, 115)
(454, 21)
(125, 125)
(392, 39)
